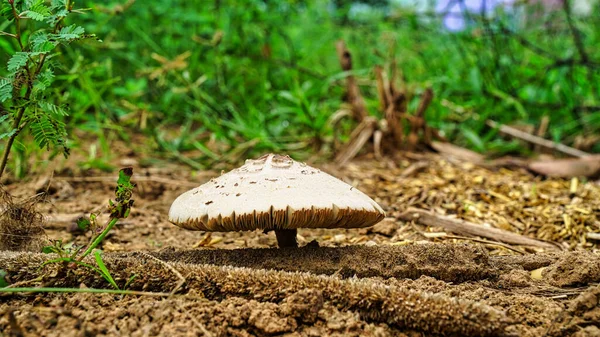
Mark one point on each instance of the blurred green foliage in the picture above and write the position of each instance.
(206, 79)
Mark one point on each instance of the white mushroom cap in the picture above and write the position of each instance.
(274, 192)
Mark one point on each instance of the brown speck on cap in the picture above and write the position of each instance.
(283, 195)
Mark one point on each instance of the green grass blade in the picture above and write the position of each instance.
(105, 273)
(81, 290)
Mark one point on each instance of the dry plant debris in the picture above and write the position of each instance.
(565, 211)
(387, 134)
(21, 225)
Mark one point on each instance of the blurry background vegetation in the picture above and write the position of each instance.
(199, 80)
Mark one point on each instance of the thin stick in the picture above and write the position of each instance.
(176, 288)
(377, 137)
(536, 140)
(468, 228)
(487, 242)
(414, 168)
(361, 135)
(171, 268)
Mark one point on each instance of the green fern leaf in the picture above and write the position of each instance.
(58, 4)
(57, 16)
(47, 131)
(8, 134)
(48, 107)
(37, 11)
(40, 42)
(43, 81)
(4, 117)
(42, 131)
(5, 89)
(17, 61)
(70, 33)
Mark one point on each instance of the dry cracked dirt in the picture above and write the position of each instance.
(397, 278)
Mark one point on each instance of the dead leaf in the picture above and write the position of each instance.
(588, 166)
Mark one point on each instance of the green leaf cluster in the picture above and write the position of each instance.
(26, 89)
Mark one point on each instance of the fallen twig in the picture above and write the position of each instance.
(467, 228)
(414, 168)
(486, 242)
(359, 138)
(536, 140)
(176, 288)
(171, 268)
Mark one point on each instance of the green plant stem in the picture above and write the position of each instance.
(21, 112)
(99, 238)
(70, 260)
(81, 290)
(17, 26)
(12, 138)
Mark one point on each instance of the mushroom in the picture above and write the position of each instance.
(274, 192)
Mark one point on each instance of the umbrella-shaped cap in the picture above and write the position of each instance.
(274, 192)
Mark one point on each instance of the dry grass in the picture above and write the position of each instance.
(550, 209)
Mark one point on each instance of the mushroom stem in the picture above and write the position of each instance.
(286, 237)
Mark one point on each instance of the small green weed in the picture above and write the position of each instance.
(119, 209)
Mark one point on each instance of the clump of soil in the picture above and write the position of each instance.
(575, 269)
(21, 225)
(582, 318)
(92, 315)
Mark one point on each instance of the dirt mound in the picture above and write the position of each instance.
(375, 301)
(233, 301)
(448, 262)
(575, 269)
(93, 315)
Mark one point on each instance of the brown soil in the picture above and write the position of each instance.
(383, 281)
